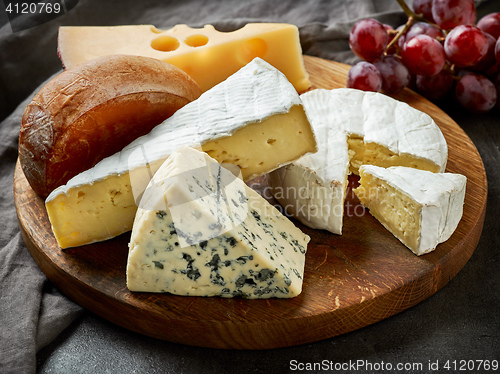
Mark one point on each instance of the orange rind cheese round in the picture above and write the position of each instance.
(93, 110)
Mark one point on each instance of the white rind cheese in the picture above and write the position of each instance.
(353, 128)
(421, 208)
(201, 231)
(254, 120)
(313, 190)
(381, 121)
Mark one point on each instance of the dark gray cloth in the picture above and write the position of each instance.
(32, 311)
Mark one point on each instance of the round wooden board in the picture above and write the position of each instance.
(351, 281)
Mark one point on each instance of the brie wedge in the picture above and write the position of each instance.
(420, 208)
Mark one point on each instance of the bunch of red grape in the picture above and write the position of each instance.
(441, 50)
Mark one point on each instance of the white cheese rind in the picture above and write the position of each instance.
(336, 115)
(378, 119)
(200, 231)
(440, 197)
(312, 190)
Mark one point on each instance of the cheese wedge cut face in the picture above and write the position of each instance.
(313, 189)
(201, 231)
(420, 208)
(353, 128)
(254, 120)
(207, 55)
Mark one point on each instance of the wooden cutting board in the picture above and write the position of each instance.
(350, 281)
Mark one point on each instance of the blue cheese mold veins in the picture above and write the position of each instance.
(261, 255)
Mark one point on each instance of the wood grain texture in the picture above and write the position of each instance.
(350, 281)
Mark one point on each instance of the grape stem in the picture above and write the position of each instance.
(408, 24)
(409, 12)
(416, 17)
(412, 18)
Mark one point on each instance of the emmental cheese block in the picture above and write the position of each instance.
(353, 128)
(420, 208)
(254, 120)
(201, 231)
(207, 55)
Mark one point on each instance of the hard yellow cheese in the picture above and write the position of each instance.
(254, 120)
(207, 55)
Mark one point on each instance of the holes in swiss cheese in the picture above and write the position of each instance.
(197, 40)
(168, 43)
(165, 43)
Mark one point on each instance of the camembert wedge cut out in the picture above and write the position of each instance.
(201, 231)
(254, 120)
(207, 55)
(420, 208)
(353, 128)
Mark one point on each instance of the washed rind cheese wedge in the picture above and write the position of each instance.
(201, 231)
(207, 55)
(254, 120)
(420, 208)
(353, 128)
(93, 110)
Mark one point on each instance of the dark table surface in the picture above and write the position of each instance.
(458, 325)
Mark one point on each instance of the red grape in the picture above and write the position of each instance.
(389, 30)
(451, 13)
(490, 24)
(401, 40)
(476, 93)
(435, 87)
(391, 33)
(423, 28)
(442, 51)
(364, 76)
(497, 51)
(489, 59)
(492, 71)
(395, 75)
(496, 82)
(368, 39)
(423, 7)
(423, 55)
(420, 28)
(465, 45)
(462, 72)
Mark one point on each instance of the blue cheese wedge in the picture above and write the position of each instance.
(201, 231)
(254, 119)
(420, 208)
(353, 128)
